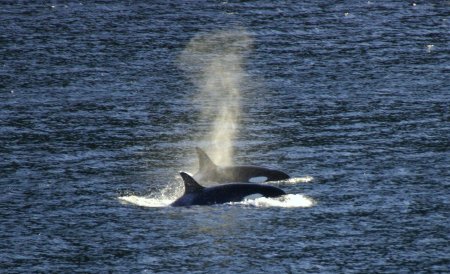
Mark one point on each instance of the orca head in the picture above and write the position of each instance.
(277, 175)
(190, 185)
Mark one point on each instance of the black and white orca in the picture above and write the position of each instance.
(195, 194)
(210, 172)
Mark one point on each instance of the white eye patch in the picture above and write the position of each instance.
(256, 180)
(253, 197)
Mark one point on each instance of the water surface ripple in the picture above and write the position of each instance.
(94, 106)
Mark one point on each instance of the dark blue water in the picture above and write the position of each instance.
(94, 106)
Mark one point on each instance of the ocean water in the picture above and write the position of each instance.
(99, 111)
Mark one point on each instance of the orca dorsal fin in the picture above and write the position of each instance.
(205, 163)
(190, 185)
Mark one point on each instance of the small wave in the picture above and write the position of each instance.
(289, 200)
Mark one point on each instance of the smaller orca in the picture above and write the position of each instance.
(195, 194)
(210, 172)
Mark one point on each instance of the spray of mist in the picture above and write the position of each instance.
(215, 63)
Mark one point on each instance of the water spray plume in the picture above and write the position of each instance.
(214, 62)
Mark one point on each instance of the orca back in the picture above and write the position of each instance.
(195, 194)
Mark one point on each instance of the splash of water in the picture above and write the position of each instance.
(171, 192)
(162, 198)
(145, 201)
(214, 62)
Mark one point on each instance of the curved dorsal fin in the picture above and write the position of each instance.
(190, 185)
(205, 163)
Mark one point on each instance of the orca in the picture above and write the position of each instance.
(195, 194)
(210, 172)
